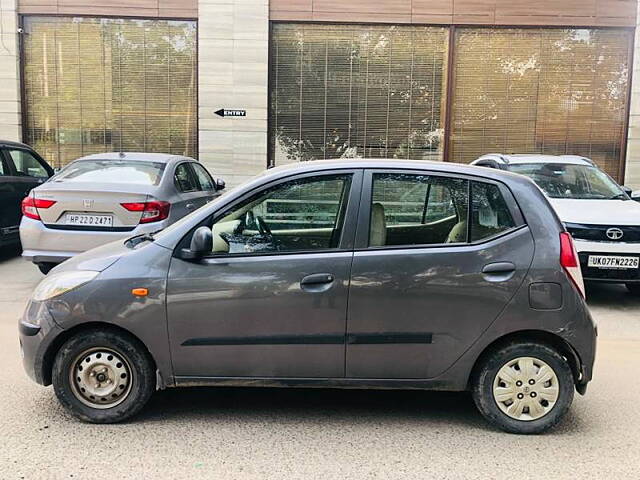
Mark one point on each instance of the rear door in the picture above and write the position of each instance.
(426, 281)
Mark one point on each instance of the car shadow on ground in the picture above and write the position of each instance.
(608, 294)
(300, 406)
(292, 405)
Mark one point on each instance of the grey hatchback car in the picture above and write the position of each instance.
(342, 274)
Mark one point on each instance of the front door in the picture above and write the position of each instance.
(431, 271)
(271, 299)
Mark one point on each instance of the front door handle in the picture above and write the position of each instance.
(499, 268)
(190, 206)
(317, 279)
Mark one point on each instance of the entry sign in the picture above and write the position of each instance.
(224, 112)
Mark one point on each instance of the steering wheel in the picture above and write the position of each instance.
(263, 228)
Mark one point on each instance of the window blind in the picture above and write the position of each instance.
(356, 91)
(101, 84)
(553, 91)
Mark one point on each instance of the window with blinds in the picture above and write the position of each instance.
(102, 84)
(553, 90)
(356, 91)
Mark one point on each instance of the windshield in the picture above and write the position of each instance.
(112, 171)
(560, 180)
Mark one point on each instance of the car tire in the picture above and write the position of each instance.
(633, 288)
(103, 376)
(535, 376)
(45, 268)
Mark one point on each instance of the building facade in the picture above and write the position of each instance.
(247, 84)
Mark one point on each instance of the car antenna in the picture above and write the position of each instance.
(121, 154)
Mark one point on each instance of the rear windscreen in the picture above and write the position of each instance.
(112, 171)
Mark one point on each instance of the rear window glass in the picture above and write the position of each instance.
(113, 171)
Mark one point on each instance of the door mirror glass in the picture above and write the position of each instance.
(201, 244)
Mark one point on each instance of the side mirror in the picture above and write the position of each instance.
(635, 195)
(220, 184)
(627, 190)
(201, 244)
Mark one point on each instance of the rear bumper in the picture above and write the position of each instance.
(41, 244)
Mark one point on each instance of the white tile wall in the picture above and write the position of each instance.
(9, 73)
(632, 171)
(233, 38)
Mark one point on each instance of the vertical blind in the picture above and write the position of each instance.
(100, 84)
(553, 90)
(356, 91)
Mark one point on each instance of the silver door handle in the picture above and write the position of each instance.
(190, 206)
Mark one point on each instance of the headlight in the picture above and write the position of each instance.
(62, 282)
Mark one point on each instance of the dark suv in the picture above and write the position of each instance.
(354, 274)
(21, 169)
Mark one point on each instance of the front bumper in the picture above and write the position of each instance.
(37, 332)
(610, 275)
(43, 244)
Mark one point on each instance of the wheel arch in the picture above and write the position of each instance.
(50, 354)
(539, 336)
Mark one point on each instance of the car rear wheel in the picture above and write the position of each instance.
(524, 388)
(634, 288)
(102, 376)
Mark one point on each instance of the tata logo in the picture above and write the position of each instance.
(614, 233)
(89, 204)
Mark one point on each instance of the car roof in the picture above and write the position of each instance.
(521, 158)
(135, 156)
(389, 164)
(10, 143)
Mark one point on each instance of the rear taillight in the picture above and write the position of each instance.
(31, 205)
(151, 211)
(570, 261)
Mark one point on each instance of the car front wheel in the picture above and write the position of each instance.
(103, 376)
(524, 388)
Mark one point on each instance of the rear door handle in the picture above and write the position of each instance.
(317, 279)
(498, 268)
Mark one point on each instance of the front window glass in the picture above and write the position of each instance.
(206, 183)
(570, 181)
(27, 165)
(409, 209)
(305, 214)
(112, 171)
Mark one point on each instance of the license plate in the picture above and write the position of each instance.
(90, 220)
(610, 261)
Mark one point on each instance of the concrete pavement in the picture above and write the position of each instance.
(307, 434)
